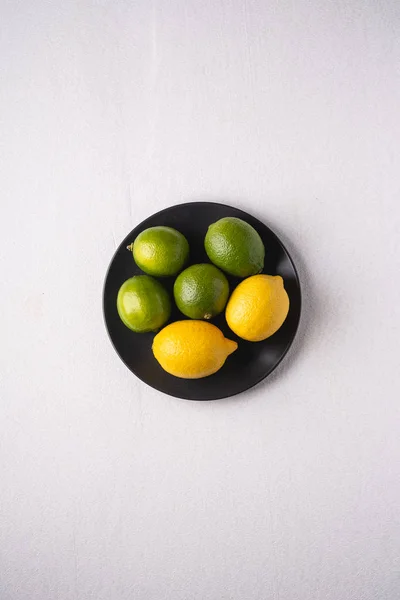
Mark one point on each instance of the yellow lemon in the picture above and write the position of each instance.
(258, 307)
(192, 349)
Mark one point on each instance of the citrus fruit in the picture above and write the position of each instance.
(235, 246)
(257, 307)
(143, 304)
(192, 349)
(160, 251)
(201, 291)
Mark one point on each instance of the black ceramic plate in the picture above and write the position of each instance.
(252, 361)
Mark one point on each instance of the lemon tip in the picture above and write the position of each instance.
(231, 346)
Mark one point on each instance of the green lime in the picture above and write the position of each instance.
(201, 291)
(160, 251)
(143, 304)
(235, 246)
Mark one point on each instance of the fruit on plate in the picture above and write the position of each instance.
(143, 304)
(257, 307)
(235, 247)
(160, 251)
(201, 291)
(192, 349)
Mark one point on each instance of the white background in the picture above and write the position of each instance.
(110, 111)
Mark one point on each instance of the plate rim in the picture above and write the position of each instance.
(288, 346)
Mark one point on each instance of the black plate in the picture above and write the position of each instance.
(252, 361)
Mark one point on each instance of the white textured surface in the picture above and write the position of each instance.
(110, 111)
